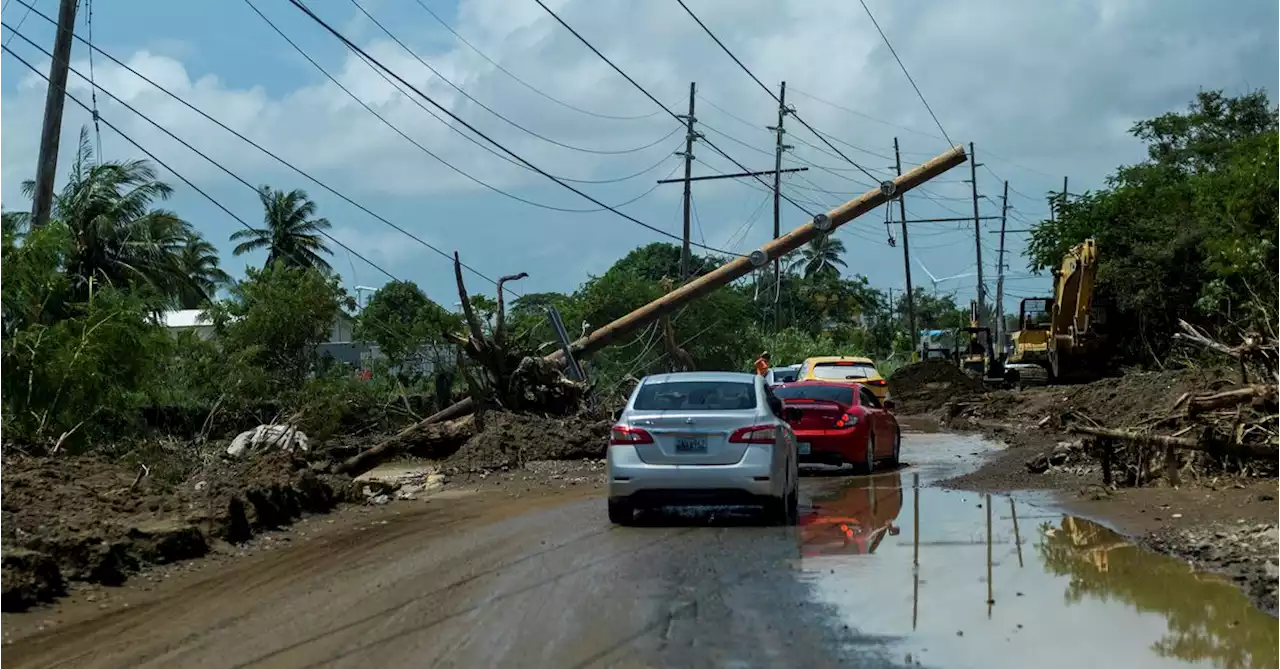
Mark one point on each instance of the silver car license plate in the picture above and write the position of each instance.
(691, 445)
(802, 448)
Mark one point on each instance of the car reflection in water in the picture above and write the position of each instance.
(853, 519)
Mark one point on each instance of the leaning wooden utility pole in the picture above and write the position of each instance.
(906, 258)
(822, 224)
(977, 236)
(51, 132)
(689, 137)
(778, 131)
(1004, 210)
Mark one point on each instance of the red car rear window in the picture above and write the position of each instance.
(819, 393)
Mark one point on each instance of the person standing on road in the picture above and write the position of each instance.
(762, 364)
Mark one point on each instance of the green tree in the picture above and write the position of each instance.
(820, 257)
(199, 261)
(291, 233)
(277, 317)
(402, 321)
(117, 237)
(1190, 233)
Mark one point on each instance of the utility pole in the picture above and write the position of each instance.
(51, 133)
(1062, 203)
(906, 257)
(977, 234)
(1004, 210)
(777, 203)
(689, 137)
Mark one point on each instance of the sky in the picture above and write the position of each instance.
(1043, 90)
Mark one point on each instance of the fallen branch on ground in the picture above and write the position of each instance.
(1206, 442)
(1260, 396)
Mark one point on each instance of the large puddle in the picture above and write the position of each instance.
(1036, 590)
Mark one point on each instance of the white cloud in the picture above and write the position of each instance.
(1049, 86)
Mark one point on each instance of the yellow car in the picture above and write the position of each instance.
(845, 369)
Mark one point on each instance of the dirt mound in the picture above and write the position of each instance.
(1127, 400)
(512, 439)
(922, 387)
(89, 519)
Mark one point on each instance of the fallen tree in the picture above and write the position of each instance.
(821, 224)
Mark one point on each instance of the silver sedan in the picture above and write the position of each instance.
(702, 438)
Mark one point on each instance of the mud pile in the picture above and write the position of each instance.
(513, 439)
(82, 518)
(1127, 400)
(923, 387)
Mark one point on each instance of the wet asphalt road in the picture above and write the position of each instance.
(462, 584)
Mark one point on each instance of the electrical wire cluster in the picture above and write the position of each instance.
(826, 152)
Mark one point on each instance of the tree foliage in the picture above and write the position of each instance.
(403, 321)
(1190, 233)
(290, 231)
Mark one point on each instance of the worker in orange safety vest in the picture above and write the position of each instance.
(762, 364)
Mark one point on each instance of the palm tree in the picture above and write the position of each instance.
(820, 257)
(116, 235)
(290, 234)
(199, 261)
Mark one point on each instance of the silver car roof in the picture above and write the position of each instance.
(730, 377)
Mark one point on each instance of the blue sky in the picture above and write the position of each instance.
(1043, 89)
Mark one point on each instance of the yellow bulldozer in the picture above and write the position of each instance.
(1058, 338)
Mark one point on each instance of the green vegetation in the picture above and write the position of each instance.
(1190, 233)
(88, 363)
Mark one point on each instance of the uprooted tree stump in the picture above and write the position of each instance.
(509, 378)
(501, 377)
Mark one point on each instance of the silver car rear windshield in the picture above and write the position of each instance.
(696, 396)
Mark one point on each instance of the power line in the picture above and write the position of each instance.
(405, 136)
(166, 166)
(20, 21)
(93, 91)
(649, 95)
(461, 133)
(770, 91)
(245, 139)
(351, 252)
(491, 110)
(351, 45)
(904, 71)
(522, 82)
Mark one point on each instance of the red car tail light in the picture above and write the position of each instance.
(625, 435)
(847, 420)
(756, 434)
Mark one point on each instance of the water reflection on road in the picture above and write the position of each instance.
(1063, 591)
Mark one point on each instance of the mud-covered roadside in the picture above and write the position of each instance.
(71, 521)
(1219, 518)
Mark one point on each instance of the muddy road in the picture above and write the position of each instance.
(486, 580)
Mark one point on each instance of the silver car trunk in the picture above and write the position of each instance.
(693, 437)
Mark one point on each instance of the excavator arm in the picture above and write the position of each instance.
(1073, 338)
(1073, 293)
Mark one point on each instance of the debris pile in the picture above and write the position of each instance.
(1207, 428)
(925, 387)
(514, 439)
(83, 518)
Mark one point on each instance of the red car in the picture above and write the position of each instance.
(842, 422)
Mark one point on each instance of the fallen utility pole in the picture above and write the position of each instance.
(822, 224)
(51, 132)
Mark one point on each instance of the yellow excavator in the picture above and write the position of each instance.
(1058, 338)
